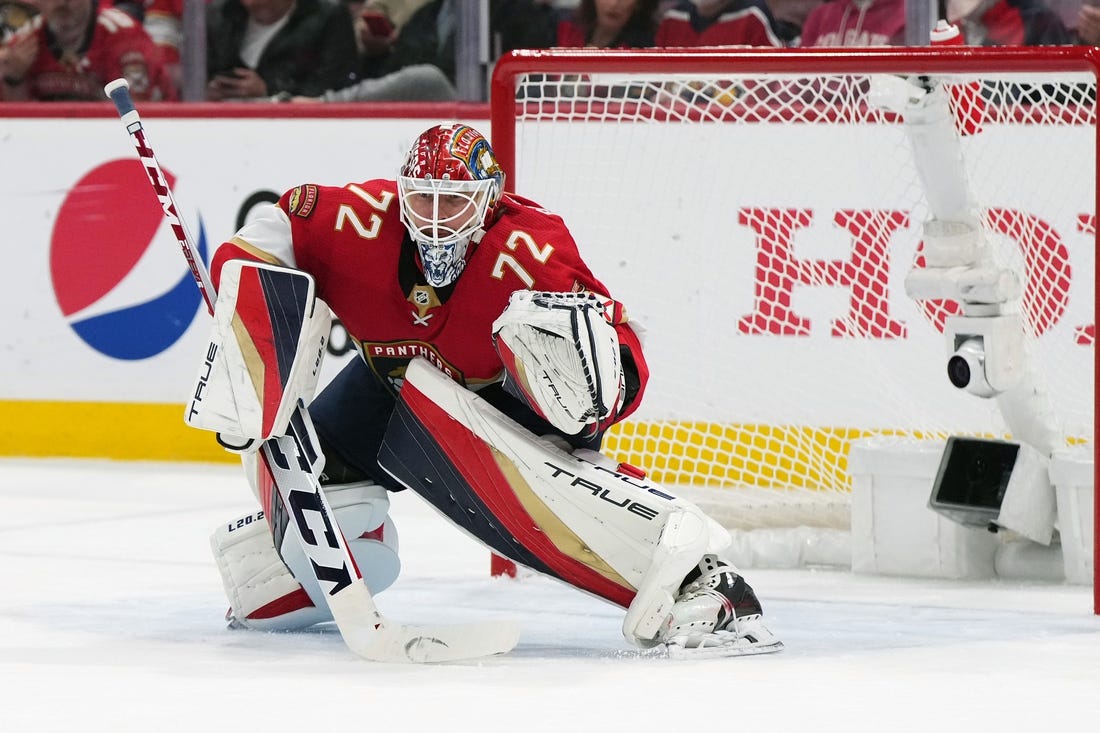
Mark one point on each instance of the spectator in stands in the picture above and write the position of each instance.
(604, 24)
(789, 17)
(610, 24)
(163, 21)
(415, 83)
(718, 23)
(73, 48)
(378, 23)
(1008, 23)
(856, 23)
(376, 33)
(1088, 24)
(14, 15)
(429, 35)
(134, 8)
(260, 48)
(17, 19)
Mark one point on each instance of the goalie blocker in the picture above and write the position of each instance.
(574, 517)
(264, 354)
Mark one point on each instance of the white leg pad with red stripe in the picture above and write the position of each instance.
(578, 517)
(271, 593)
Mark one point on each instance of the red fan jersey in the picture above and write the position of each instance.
(164, 24)
(116, 46)
(856, 23)
(1012, 23)
(744, 23)
(353, 242)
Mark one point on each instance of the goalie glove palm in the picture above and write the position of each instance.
(562, 357)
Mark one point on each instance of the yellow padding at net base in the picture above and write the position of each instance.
(715, 454)
(672, 452)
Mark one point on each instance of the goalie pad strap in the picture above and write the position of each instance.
(264, 353)
(684, 539)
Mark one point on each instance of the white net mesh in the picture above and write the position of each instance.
(760, 226)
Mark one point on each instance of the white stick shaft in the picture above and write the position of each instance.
(119, 92)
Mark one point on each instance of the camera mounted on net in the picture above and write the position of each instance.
(985, 343)
(986, 353)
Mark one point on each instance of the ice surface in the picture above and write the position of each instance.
(111, 620)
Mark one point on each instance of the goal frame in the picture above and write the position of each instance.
(687, 61)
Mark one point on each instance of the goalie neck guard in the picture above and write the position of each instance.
(449, 187)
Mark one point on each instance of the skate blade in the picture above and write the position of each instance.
(678, 649)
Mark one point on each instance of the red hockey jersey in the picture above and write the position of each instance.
(352, 240)
(117, 46)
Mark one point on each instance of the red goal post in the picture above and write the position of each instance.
(758, 210)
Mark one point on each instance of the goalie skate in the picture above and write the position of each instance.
(717, 615)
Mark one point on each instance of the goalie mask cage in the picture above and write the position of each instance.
(758, 210)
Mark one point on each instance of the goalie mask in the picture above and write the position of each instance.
(449, 187)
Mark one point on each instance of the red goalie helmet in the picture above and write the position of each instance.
(449, 187)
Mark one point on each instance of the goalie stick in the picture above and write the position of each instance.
(291, 464)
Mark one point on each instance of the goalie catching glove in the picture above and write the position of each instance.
(562, 356)
(264, 353)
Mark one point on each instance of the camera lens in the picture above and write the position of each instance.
(958, 371)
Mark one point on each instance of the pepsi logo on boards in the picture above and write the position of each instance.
(125, 292)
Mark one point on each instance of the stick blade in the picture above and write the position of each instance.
(451, 643)
(369, 635)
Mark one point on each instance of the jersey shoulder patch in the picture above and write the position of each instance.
(302, 200)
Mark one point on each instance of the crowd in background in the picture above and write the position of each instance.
(410, 50)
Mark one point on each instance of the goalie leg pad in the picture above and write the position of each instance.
(608, 533)
(263, 587)
(264, 355)
(261, 591)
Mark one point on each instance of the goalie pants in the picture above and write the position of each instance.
(352, 413)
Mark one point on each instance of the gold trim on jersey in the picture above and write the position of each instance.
(257, 252)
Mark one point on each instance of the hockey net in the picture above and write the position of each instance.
(758, 212)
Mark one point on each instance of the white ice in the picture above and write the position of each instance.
(111, 619)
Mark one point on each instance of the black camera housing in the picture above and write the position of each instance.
(972, 480)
